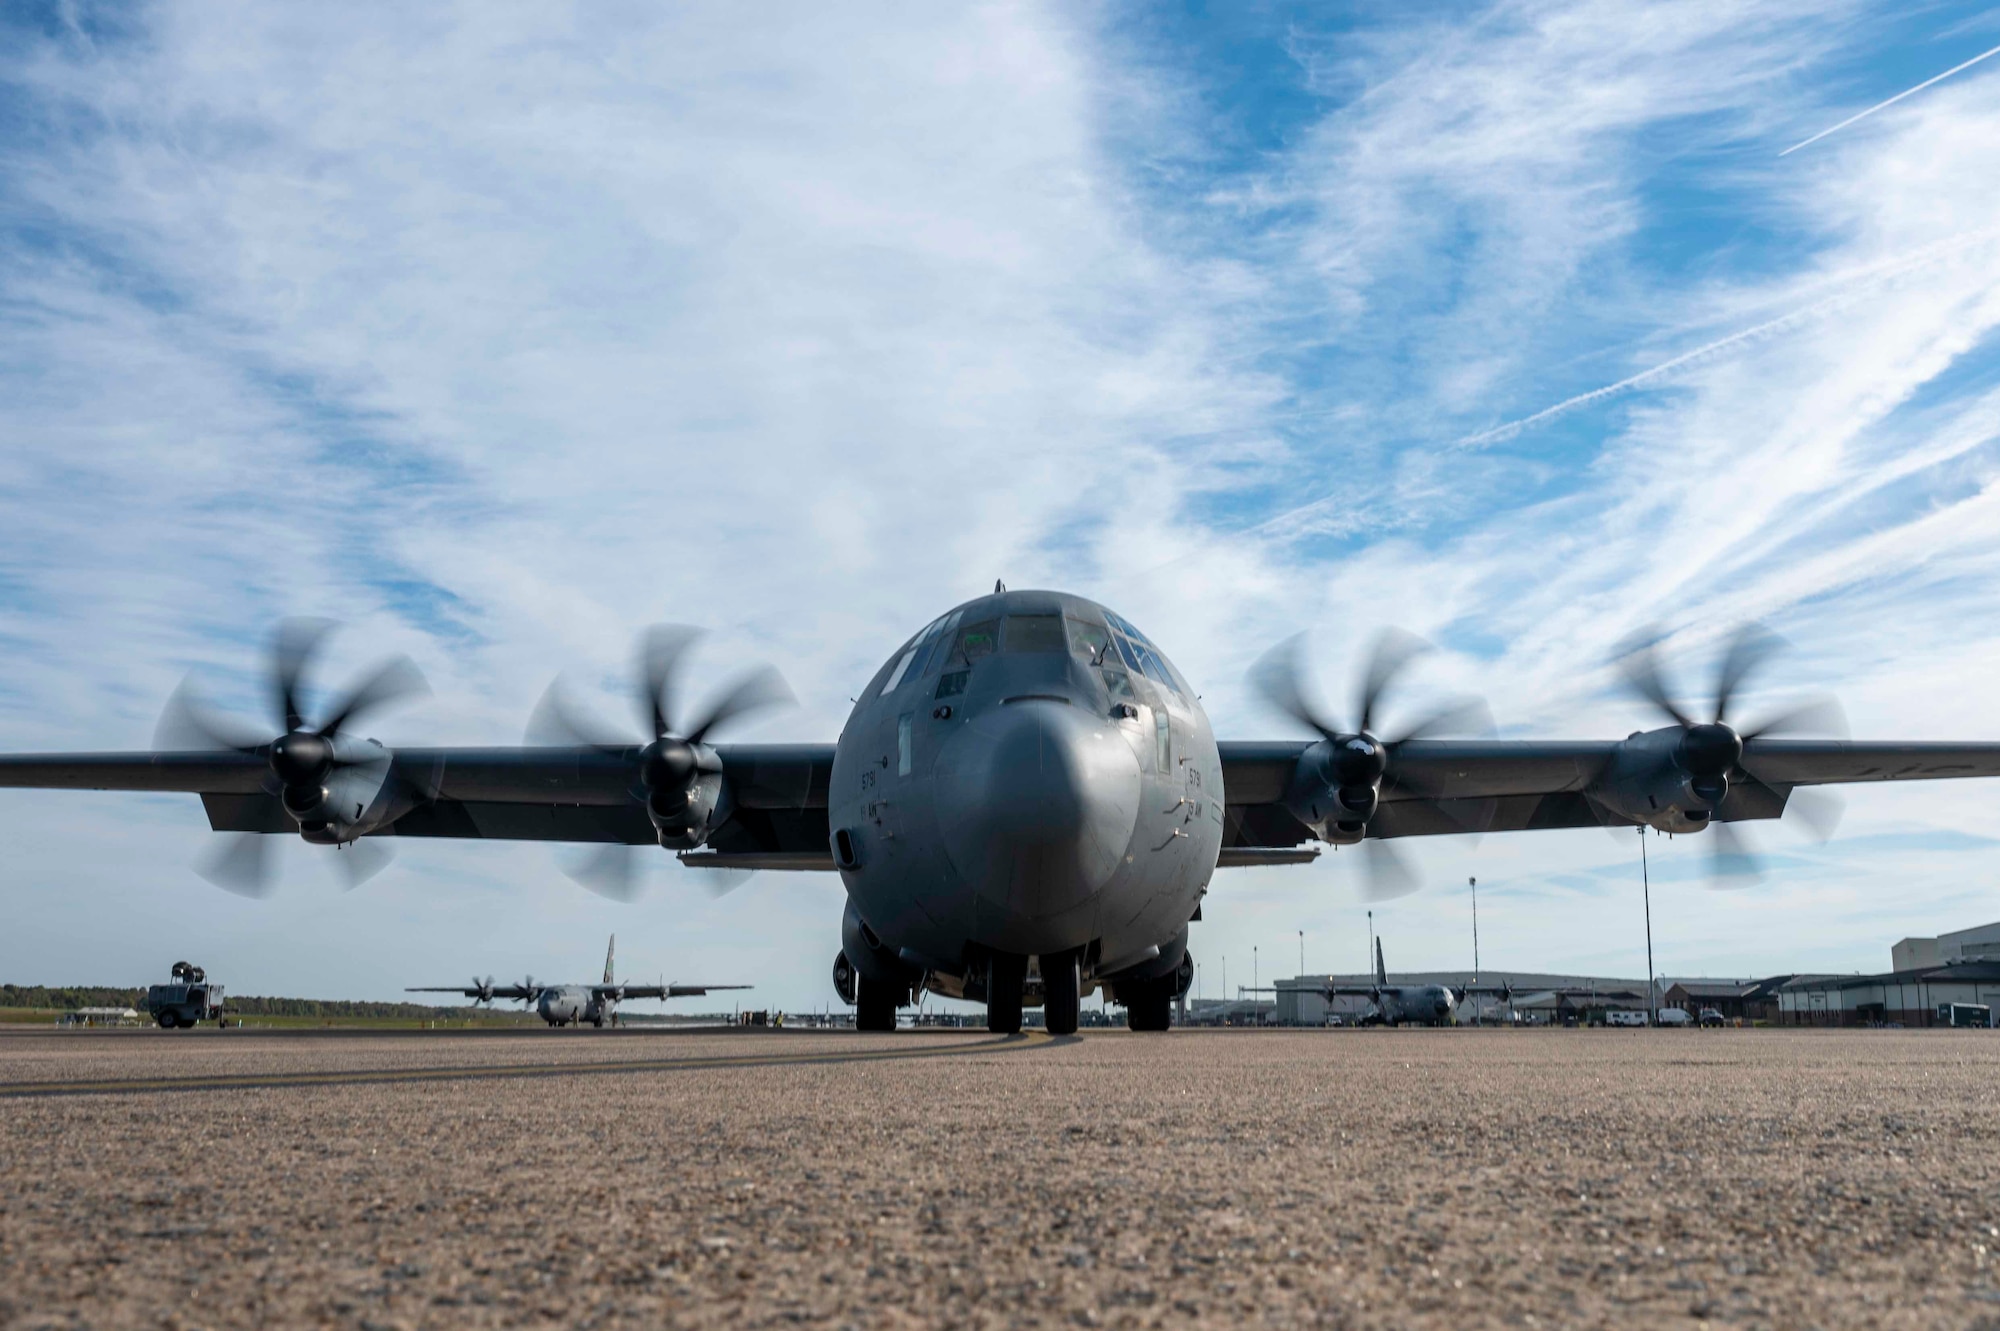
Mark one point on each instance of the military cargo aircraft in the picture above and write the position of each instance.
(1026, 803)
(1395, 1004)
(573, 1004)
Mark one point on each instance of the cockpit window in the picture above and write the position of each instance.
(976, 642)
(1090, 641)
(1035, 633)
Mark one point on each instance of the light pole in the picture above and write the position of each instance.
(1646, 887)
(1474, 882)
(1369, 969)
(1302, 952)
(1253, 969)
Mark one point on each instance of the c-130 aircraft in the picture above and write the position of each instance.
(1027, 782)
(573, 1004)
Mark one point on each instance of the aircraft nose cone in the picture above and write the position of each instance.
(1037, 802)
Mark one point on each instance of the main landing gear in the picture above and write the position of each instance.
(1062, 991)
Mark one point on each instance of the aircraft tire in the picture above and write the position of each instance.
(1006, 977)
(1149, 1007)
(1061, 991)
(874, 1005)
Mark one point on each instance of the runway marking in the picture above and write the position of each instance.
(497, 1071)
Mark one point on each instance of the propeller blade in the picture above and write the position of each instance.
(1818, 808)
(187, 724)
(1394, 649)
(1386, 871)
(661, 648)
(760, 689)
(1642, 672)
(1752, 645)
(1731, 862)
(558, 723)
(1463, 716)
(361, 860)
(391, 682)
(1279, 678)
(298, 640)
(610, 870)
(1817, 717)
(242, 864)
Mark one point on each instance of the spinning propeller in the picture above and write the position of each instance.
(483, 988)
(301, 758)
(673, 769)
(1710, 752)
(1358, 758)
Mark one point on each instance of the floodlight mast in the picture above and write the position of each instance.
(1646, 888)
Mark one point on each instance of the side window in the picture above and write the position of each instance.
(904, 724)
(937, 646)
(1131, 655)
(952, 683)
(1119, 685)
(902, 668)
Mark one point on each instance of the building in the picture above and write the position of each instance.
(1980, 943)
(1908, 997)
(1736, 1000)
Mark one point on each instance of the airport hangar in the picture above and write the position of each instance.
(1924, 975)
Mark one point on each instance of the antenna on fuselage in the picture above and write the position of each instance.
(998, 586)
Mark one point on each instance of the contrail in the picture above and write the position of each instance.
(1863, 115)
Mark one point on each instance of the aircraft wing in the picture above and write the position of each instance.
(664, 990)
(778, 794)
(507, 991)
(1442, 787)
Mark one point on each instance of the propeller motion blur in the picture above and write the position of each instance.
(1025, 805)
(573, 1004)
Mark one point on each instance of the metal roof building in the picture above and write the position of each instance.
(1911, 997)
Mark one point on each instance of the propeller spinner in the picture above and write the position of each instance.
(1710, 753)
(1338, 789)
(678, 776)
(305, 760)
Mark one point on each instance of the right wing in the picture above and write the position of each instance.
(507, 991)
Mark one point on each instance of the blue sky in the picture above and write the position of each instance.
(500, 332)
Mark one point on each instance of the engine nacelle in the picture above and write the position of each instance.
(1337, 787)
(1647, 781)
(357, 794)
(685, 795)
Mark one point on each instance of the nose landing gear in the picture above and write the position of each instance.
(1006, 977)
(1062, 987)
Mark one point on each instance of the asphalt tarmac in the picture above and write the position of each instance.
(1351, 1179)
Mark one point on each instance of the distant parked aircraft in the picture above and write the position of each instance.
(574, 1004)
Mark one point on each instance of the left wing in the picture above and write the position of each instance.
(770, 799)
(624, 991)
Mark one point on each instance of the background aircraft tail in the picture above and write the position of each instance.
(608, 950)
(1381, 971)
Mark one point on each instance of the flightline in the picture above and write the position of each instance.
(497, 1072)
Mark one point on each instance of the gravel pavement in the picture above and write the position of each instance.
(1455, 1179)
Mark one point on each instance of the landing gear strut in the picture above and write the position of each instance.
(1149, 1004)
(1062, 986)
(875, 1004)
(1006, 977)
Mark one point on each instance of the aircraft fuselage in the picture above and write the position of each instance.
(1026, 776)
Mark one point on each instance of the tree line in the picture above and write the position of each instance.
(68, 998)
